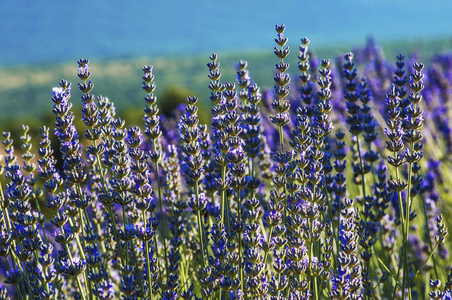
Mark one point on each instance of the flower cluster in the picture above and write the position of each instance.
(330, 185)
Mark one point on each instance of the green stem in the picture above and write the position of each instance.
(363, 182)
(402, 221)
(224, 215)
(158, 260)
(382, 264)
(240, 240)
(72, 262)
(38, 207)
(82, 254)
(428, 233)
(104, 189)
(138, 273)
(381, 252)
(423, 265)
(15, 259)
(124, 217)
(281, 138)
(77, 239)
(335, 230)
(115, 231)
(148, 265)
(313, 278)
(407, 228)
(182, 272)
(157, 174)
(101, 171)
(5, 209)
(200, 226)
(252, 176)
(311, 248)
(268, 242)
(316, 291)
(79, 283)
(18, 292)
(27, 277)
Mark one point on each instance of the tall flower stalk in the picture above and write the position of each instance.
(193, 169)
(153, 132)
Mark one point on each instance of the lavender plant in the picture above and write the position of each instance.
(313, 193)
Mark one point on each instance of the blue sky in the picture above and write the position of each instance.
(49, 31)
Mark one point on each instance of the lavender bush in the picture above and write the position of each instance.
(320, 188)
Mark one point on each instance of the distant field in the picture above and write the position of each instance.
(25, 90)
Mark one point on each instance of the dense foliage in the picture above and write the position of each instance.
(332, 185)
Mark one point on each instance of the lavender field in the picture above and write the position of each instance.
(151, 153)
(333, 184)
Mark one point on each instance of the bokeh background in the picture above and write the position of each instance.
(40, 42)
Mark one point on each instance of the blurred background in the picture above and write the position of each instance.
(40, 42)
